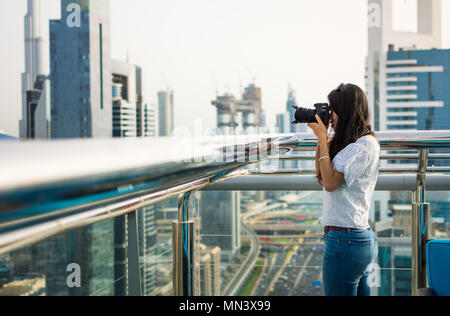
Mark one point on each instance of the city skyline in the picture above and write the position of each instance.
(198, 61)
(113, 203)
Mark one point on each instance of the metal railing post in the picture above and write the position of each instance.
(419, 232)
(134, 273)
(184, 250)
(120, 256)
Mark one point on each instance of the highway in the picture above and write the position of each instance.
(241, 275)
(293, 261)
(301, 273)
(293, 256)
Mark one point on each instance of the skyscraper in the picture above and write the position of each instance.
(417, 90)
(147, 125)
(290, 104)
(283, 124)
(80, 70)
(391, 82)
(81, 107)
(406, 71)
(35, 86)
(208, 271)
(147, 120)
(166, 112)
(418, 98)
(132, 118)
(131, 115)
(407, 87)
(124, 102)
(384, 38)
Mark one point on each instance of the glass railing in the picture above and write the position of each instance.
(291, 247)
(110, 231)
(289, 263)
(58, 266)
(93, 260)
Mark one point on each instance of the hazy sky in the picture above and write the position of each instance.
(200, 47)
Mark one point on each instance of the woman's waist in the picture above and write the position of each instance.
(350, 234)
(344, 229)
(348, 223)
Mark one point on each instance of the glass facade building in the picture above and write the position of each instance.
(417, 90)
(81, 107)
(80, 71)
(166, 112)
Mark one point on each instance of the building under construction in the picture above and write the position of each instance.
(233, 113)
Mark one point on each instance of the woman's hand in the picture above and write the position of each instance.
(319, 129)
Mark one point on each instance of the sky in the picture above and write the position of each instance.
(201, 48)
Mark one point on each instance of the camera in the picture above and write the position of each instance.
(303, 115)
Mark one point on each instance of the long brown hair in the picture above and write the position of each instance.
(350, 103)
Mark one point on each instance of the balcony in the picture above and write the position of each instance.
(145, 217)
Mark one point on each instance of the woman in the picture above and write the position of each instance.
(347, 167)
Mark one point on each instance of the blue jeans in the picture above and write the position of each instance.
(348, 254)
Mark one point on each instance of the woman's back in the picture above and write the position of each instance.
(349, 205)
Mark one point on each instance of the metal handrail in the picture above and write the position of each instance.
(441, 170)
(48, 188)
(281, 182)
(39, 202)
(45, 182)
(382, 157)
(41, 164)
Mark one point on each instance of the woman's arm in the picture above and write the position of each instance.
(317, 160)
(331, 179)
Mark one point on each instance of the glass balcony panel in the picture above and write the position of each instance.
(286, 225)
(91, 261)
(440, 213)
(155, 226)
(76, 263)
(39, 269)
(274, 227)
(156, 258)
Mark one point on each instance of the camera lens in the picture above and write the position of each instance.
(305, 116)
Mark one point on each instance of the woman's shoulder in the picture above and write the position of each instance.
(366, 145)
(369, 142)
(350, 151)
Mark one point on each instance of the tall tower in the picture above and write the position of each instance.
(406, 78)
(166, 112)
(283, 123)
(290, 104)
(81, 107)
(80, 68)
(35, 88)
(383, 38)
(33, 44)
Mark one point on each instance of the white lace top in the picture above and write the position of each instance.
(349, 205)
